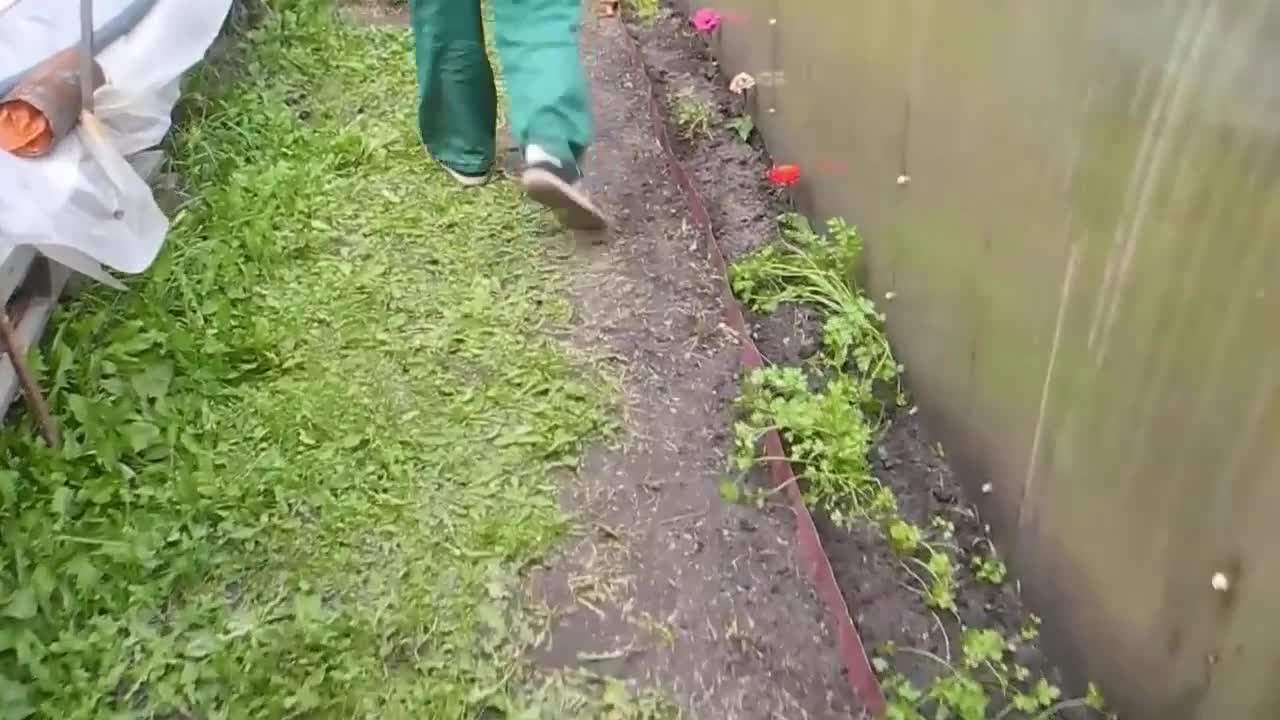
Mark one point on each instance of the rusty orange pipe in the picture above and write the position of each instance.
(45, 105)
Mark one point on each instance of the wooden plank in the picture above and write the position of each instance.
(30, 327)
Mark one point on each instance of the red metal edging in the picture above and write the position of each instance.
(813, 557)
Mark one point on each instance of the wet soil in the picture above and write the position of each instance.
(730, 176)
(670, 585)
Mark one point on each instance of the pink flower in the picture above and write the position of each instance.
(706, 20)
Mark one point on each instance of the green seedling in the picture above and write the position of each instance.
(1030, 629)
(989, 569)
(742, 126)
(904, 537)
(644, 12)
(693, 115)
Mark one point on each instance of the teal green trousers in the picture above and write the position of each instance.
(545, 84)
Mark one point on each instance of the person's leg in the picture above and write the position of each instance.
(550, 110)
(457, 101)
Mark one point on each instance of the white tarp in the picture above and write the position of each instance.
(37, 29)
(83, 205)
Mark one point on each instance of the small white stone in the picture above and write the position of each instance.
(904, 179)
(773, 110)
(1220, 582)
(987, 488)
(890, 295)
(773, 21)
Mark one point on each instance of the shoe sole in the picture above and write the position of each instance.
(576, 209)
(467, 180)
(463, 180)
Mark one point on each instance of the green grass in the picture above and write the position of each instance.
(643, 11)
(308, 455)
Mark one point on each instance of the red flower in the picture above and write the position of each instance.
(784, 175)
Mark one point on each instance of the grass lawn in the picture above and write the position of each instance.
(308, 455)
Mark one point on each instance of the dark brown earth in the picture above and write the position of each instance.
(730, 176)
(672, 586)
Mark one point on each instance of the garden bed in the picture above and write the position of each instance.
(930, 597)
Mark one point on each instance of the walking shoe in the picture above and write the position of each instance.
(467, 180)
(464, 179)
(558, 185)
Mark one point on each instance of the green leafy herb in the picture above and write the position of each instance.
(742, 126)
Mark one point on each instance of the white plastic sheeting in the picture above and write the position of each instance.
(83, 205)
(37, 29)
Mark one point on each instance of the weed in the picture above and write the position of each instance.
(692, 114)
(828, 428)
(742, 126)
(1030, 629)
(644, 12)
(904, 537)
(940, 589)
(730, 491)
(962, 690)
(989, 569)
(806, 267)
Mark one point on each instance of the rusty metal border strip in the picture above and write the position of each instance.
(812, 556)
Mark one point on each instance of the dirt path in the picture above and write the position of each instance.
(671, 585)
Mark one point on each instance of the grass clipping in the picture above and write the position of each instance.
(307, 455)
